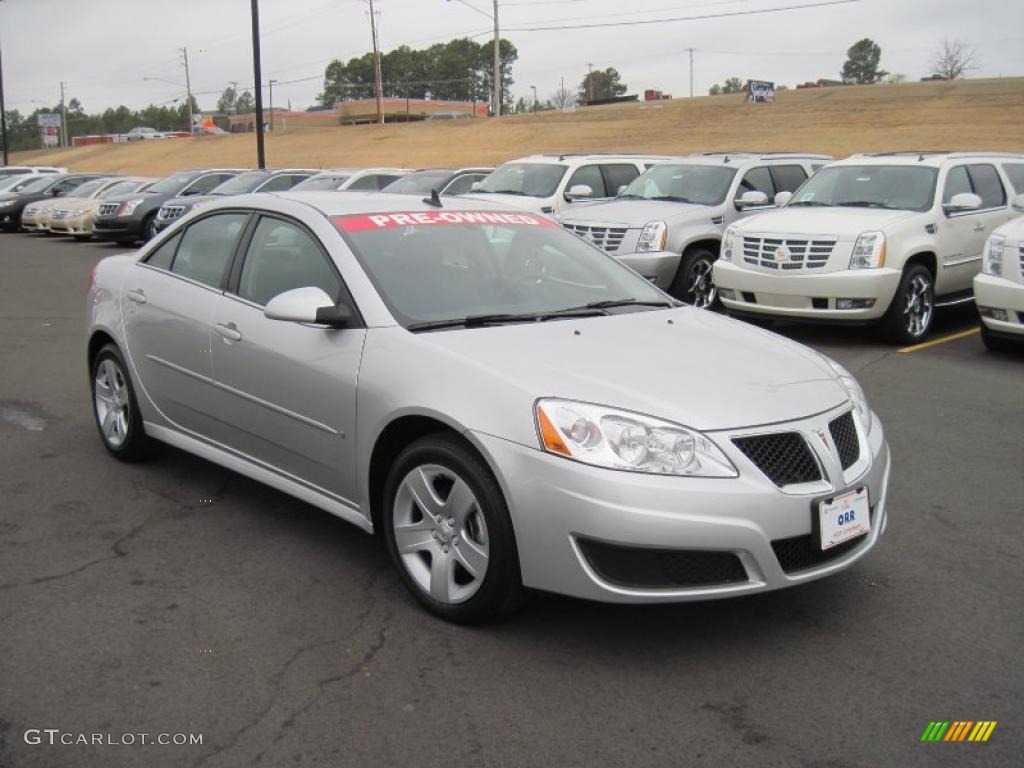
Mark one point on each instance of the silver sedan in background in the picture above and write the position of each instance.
(506, 404)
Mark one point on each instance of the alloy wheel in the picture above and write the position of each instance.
(917, 305)
(110, 394)
(701, 287)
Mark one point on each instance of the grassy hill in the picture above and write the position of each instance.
(971, 114)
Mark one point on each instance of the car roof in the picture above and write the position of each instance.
(584, 156)
(333, 204)
(741, 158)
(931, 158)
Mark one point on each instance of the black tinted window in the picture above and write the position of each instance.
(757, 180)
(203, 185)
(206, 247)
(366, 183)
(164, 255)
(1016, 173)
(987, 185)
(281, 183)
(281, 257)
(618, 176)
(957, 182)
(788, 178)
(590, 175)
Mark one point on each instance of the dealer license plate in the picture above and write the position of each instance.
(844, 517)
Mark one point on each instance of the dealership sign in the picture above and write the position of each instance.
(759, 91)
(48, 119)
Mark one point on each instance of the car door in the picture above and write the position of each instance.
(169, 299)
(965, 232)
(286, 392)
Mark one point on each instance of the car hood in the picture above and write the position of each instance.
(191, 200)
(133, 196)
(701, 370)
(636, 213)
(521, 202)
(847, 223)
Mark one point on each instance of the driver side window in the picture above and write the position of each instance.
(957, 182)
(281, 257)
(757, 180)
(589, 175)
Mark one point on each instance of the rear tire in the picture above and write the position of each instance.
(449, 534)
(909, 317)
(694, 282)
(116, 410)
(82, 238)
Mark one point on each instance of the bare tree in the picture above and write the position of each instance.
(563, 99)
(954, 59)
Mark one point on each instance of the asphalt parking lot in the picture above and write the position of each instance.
(175, 596)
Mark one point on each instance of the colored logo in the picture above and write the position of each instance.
(959, 730)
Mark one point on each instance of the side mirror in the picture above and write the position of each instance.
(56, 192)
(578, 191)
(963, 201)
(752, 198)
(1018, 203)
(307, 305)
(782, 198)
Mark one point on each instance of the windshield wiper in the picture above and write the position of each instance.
(630, 302)
(499, 192)
(809, 203)
(477, 321)
(865, 204)
(671, 199)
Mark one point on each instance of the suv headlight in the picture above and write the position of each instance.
(992, 264)
(868, 251)
(128, 208)
(653, 237)
(855, 391)
(727, 244)
(607, 437)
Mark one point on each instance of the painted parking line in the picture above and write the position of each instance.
(942, 340)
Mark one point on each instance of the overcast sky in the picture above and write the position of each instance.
(102, 49)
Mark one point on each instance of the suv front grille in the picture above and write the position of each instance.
(170, 212)
(799, 553)
(788, 253)
(641, 568)
(783, 457)
(608, 238)
(844, 435)
(107, 209)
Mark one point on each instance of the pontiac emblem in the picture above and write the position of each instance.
(824, 440)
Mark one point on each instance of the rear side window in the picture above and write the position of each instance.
(162, 257)
(788, 178)
(589, 175)
(366, 183)
(206, 247)
(957, 182)
(618, 176)
(987, 185)
(278, 184)
(1015, 172)
(281, 257)
(757, 180)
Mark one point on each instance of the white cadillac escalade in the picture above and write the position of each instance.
(999, 289)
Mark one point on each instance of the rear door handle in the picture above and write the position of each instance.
(137, 295)
(979, 227)
(229, 331)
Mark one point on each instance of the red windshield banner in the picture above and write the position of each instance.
(373, 221)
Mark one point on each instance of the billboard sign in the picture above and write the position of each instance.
(48, 119)
(760, 91)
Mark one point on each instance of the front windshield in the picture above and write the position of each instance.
(87, 189)
(698, 184)
(39, 185)
(895, 187)
(437, 266)
(319, 183)
(418, 183)
(240, 184)
(529, 179)
(171, 184)
(15, 183)
(121, 188)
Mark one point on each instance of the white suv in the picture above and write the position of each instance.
(549, 184)
(668, 223)
(999, 289)
(873, 238)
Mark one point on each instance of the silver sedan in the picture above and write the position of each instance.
(508, 406)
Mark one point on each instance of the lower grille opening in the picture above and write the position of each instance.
(642, 568)
(749, 297)
(819, 303)
(801, 553)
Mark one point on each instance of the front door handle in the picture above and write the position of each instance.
(229, 331)
(137, 295)
(979, 227)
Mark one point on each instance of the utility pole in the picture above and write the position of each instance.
(261, 157)
(188, 90)
(590, 81)
(63, 117)
(378, 84)
(497, 64)
(534, 97)
(3, 112)
(691, 71)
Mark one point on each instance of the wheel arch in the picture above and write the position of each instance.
(927, 259)
(97, 340)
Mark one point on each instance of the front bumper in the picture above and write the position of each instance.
(999, 293)
(556, 503)
(117, 228)
(34, 222)
(72, 225)
(659, 267)
(806, 295)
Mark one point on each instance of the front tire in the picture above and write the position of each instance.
(149, 228)
(449, 534)
(909, 317)
(118, 418)
(694, 281)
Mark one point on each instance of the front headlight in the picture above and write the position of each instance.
(854, 390)
(653, 237)
(868, 251)
(127, 209)
(992, 264)
(606, 437)
(727, 243)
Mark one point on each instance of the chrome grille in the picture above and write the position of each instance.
(788, 253)
(607, 238)
(107, 209)
(170, 212)
(1020, 250)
